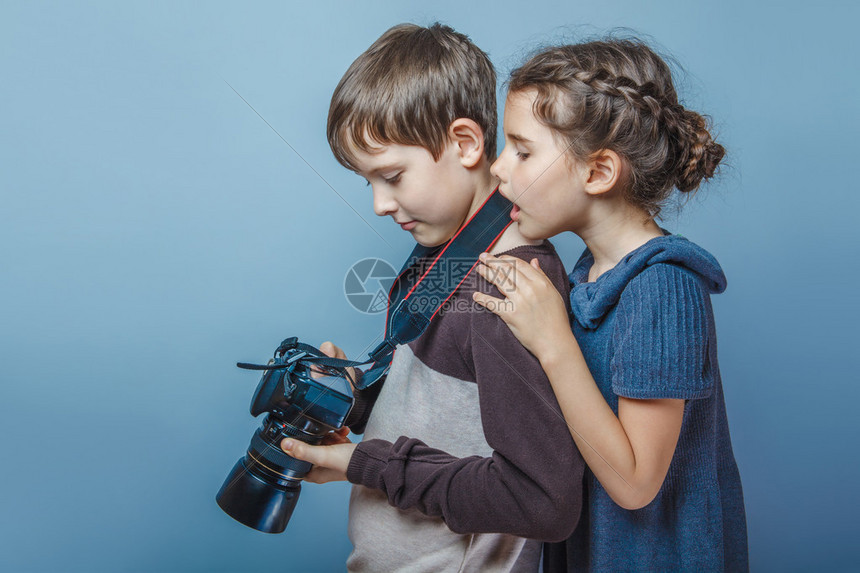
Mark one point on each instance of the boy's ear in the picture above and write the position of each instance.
(468, 136)
(604, 170)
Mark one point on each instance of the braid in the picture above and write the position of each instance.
(645, 97)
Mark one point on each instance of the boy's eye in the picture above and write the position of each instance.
(388, 180)
(523, 155)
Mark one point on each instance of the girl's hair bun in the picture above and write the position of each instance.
(699, 154)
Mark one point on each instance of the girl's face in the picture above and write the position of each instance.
(537, 174)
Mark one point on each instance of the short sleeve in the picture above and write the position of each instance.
(663, 336)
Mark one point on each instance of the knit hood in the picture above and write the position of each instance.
(590, 302)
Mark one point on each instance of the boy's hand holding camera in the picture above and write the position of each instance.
(331, 457)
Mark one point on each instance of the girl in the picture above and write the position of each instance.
(596, 141)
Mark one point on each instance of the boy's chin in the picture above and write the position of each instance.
(430, 243)
(431, 237)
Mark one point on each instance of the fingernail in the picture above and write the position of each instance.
(483, 256)
(286, 444)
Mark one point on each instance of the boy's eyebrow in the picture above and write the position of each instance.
(382, 168)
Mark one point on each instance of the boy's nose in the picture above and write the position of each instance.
(383, 204)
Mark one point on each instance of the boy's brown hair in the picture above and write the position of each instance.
(408, 87)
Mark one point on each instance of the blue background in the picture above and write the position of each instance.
(154, 230)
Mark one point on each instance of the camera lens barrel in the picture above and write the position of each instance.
(263, 487)
(265, 450)
(261, 503)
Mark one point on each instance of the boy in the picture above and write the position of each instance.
(488, 456)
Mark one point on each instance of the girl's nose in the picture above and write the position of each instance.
(495, 168)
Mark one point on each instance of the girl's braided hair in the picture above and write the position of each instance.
(619, 95)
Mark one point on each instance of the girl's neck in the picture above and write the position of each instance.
(611, 237)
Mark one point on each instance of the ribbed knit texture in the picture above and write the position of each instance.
(646, 329)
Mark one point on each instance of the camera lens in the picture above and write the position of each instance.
(255, 502)
(262, 489)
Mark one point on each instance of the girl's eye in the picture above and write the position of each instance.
(522, 155)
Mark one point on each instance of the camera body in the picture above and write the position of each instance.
(304, 400)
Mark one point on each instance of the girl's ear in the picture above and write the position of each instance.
(605, 170)
(468, 136)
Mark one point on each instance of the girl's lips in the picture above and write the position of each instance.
(408, 226)
(515, 213)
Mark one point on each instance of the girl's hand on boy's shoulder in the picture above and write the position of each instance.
(532, 308)
(330, 458)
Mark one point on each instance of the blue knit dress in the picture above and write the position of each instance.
(646, 329)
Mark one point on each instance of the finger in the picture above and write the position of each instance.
(512, 269)
(495, 305)
(527, 274)
(328, 348)
(323, 475)
(325, 348)
(499, 274)
(331, 350)
(336, 437)
(302, 451)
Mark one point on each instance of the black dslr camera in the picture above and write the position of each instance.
(306, 399)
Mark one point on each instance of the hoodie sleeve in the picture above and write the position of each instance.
(664, 336)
